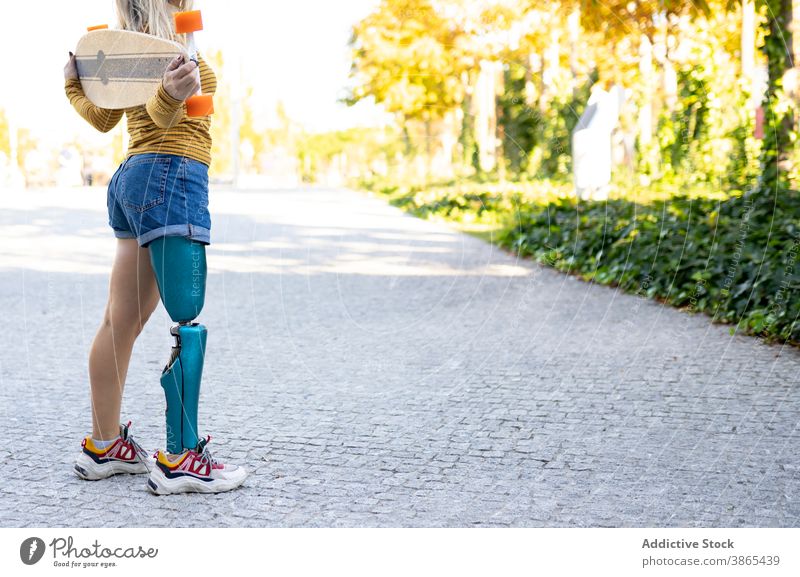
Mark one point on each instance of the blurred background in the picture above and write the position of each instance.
(281, 67)
(591, 95)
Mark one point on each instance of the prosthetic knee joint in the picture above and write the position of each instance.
(179, 264)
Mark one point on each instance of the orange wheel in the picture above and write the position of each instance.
(200, 105)
(98, 27)
(190, 21)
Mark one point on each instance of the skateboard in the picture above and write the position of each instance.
(120, 68)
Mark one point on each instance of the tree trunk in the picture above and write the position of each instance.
(574, 27)
(779, 53)
(428, 154)
(646, 112)
(748, 60)
(550, 70)
(486, 115)
(499, 135)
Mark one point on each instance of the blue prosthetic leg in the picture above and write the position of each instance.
(179, 264)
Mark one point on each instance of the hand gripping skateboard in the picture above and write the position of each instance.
(188, 23)
(121, 68)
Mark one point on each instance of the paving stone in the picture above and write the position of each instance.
(373, 369)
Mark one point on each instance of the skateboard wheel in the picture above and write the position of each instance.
(200, 105)
(190, 21)
(98, 27)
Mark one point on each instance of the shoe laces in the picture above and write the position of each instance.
(140, 452)
(205, 454)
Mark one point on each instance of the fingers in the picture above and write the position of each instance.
(175, 63)
(71, 67)
(185, 70)
(181, 78)
(184, 79)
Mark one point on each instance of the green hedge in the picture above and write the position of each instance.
(735, 259)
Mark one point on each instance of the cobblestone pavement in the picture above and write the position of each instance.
(373, 369)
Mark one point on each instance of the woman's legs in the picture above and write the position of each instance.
(132, 298)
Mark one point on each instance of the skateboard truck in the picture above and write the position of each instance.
(188, 23)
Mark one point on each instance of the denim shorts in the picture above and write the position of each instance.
(153, 195)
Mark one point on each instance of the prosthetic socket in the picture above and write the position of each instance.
(179, 264)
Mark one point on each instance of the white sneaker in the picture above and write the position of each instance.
(125, 455)
(193, 471)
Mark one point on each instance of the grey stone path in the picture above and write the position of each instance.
(372, 369)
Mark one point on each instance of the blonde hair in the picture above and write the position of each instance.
(151, 17)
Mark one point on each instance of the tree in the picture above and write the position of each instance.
(403, 57)
(5, 137)
(249, 132)
(778, 110)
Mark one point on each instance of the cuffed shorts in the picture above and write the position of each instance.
(153, 195)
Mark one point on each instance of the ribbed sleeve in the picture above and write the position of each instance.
(102, 119)
(165, 111)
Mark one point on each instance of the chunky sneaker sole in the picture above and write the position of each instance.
(193, 471)
(90, 470)
(160, 484)
(124, 456)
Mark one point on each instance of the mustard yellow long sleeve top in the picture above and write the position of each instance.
(160, 126)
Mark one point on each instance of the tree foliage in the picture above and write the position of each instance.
(404, 58)
(424, 58)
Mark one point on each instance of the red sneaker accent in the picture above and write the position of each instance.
(123, 455)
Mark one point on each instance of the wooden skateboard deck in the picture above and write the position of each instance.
(120, 68)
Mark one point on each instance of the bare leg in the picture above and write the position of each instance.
(132, 298)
